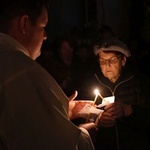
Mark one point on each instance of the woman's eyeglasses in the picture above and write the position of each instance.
(112, 60)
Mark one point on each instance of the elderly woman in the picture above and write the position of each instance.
(124, 124)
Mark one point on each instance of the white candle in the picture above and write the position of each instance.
(101, 96)
(96, 95)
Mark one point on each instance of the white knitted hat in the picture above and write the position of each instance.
(112, 44)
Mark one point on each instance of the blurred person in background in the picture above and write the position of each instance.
(64, 68)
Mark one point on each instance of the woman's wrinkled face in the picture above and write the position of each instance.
(111, 65)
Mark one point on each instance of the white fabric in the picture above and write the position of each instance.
(33, 108)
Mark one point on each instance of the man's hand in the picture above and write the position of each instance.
(91, 128)
(76, 105)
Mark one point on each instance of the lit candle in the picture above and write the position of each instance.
(101, 96)
(96, 91)
(96, 95)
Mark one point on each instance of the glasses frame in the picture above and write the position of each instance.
(112, 60)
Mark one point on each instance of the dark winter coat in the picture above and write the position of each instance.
(131, 88)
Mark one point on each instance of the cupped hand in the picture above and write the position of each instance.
(76, 105)
(118, 110)
(91, 128)
(111, 113)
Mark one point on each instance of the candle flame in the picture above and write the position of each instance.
(96, 91)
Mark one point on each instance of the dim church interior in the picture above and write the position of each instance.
(128, 19)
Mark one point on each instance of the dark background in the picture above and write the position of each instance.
(82, 21)
(129, 19)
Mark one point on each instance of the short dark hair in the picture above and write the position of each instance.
(10, 9)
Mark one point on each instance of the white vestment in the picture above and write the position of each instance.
(33, 108)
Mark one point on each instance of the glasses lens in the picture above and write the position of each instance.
(111, 60)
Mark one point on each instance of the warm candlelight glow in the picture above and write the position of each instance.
(96, 91)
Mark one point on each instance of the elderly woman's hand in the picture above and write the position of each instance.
(118, 110)
(105, 120)
(111, 113)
